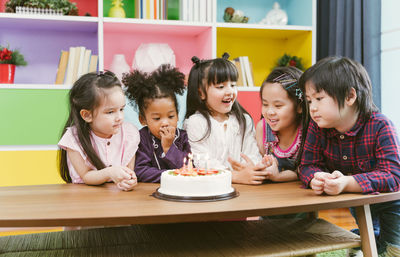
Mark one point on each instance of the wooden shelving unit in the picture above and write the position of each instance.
(33, 110)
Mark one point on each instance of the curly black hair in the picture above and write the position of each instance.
(166, 81)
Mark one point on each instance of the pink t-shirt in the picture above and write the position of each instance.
(116, 151)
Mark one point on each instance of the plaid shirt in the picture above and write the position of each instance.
(369, 152)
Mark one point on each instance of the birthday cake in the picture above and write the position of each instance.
(194, 182)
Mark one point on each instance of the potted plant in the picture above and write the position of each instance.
(65, 6)
(8, 60)
(288, 60)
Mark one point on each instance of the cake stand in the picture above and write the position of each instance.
(212, 198)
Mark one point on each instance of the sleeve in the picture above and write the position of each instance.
(131, 142)
(385, 176)
(70, 141)
(250, 147)
(174, 157)
(312, 159)
(144, 169)
(196, 127)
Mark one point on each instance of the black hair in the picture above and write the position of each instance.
(164, 82)
(203, 74)
(86, 93)
(336, 76)
(288, 77)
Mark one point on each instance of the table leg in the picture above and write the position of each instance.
(365, 226)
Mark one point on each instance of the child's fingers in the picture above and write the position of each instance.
(318, 192)
(321, 176)
(246, 158)
(337, 174)
(235, 164)
(260, 166)
(256, 182)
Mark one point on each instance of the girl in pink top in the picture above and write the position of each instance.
(97, 146)
(280, 133)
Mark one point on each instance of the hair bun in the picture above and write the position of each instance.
(195, 60)
(225, 56)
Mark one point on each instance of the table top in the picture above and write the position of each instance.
(82, 205)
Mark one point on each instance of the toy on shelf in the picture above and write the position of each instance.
(116, 10)
(236, 16)
(276, 16)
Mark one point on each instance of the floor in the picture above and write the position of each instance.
(340, 217)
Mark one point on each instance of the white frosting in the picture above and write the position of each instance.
(209, 185)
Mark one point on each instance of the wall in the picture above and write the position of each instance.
(390, 41)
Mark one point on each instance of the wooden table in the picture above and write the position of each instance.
(81, 205)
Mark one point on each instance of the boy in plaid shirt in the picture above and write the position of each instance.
(350, 146)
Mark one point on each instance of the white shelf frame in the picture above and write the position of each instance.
(100, 20)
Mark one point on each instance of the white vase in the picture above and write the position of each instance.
(119, 65)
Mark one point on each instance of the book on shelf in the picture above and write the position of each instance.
(62, 67)
(79, 72)
(240, 66)
(93, 63)
(209, 10)
(245, 70)
(86, 60)
(249, 72)
(172, 9)
(239, 81)
(183, 7)
(70, 66)
(196, 10)
(73, 64)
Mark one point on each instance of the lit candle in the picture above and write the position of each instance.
(184, 164)
(190, 164)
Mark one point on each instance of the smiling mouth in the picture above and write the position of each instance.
(272, 121)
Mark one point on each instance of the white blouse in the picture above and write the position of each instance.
(225, 140)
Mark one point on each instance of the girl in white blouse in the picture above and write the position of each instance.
(219, 128)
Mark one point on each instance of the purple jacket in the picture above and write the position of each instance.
(150, 158)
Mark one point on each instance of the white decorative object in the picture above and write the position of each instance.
(276, 16)
(119, 65)
(196, 186)
(149, 57)
(37, 11)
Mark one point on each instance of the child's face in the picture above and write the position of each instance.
(277, 108)
(325, 111)
(106, 120)
(160, 113)
(220, 99)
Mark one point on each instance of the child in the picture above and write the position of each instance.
(350, 146)
(280, 133)
(162, 146)
(219, 128)
(96, 145)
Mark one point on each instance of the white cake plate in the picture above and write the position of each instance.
(213, 198)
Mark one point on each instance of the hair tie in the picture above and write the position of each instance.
(195, 60)
(225, 56)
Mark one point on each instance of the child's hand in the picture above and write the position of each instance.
(318, 182)
(167, 134)
(128, 185)
(267, 160)
(247, 173)
(336, 184)
(118, 174)
(272, 168)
